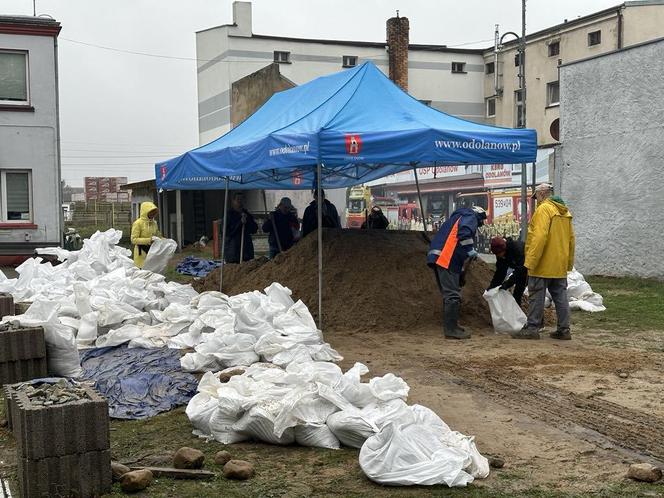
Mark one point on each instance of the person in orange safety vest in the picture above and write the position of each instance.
(450, 248)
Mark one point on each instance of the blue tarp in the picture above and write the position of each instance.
(138, 383)
(196, 267)
(357, 123)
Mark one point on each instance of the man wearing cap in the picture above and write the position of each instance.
(549, 256)
(286, 224)
(376, 220)
(509, 254)
(451, 249)
(310, 218)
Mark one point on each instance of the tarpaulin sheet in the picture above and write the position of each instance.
(356, 123)
(196, 267)
(138, 383)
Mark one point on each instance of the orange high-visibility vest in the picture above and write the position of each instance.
(450, 245)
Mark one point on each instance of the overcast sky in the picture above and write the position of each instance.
(121, 112)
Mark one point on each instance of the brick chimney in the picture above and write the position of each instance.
(397, 50)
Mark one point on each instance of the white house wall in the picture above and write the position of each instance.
(612, 110)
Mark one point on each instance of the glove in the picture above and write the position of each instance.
(154, 238)
(505, 286)
(473, 254)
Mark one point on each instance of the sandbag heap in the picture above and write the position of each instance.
(315, 404)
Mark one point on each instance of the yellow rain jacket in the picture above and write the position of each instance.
(142, 232)
(550, 243)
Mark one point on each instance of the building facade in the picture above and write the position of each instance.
(30, 191)
(608, 167)
(612, 29)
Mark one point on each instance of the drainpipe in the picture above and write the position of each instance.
(57, 143)
(496, 43)
(620, 27)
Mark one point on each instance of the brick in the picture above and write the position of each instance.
(81, 475)
(6, 304)
(12, 372)
(22, 344)
(49, 431)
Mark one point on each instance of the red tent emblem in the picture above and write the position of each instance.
(353, 144)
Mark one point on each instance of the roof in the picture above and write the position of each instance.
(142, 184)
(29, 25)
(355, 43)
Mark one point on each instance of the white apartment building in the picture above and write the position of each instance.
(30, 214)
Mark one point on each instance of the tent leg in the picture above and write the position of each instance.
(419, 198)
(524, 201)
(223, 240)
(320, 246)
(160, 208)
(178, 216)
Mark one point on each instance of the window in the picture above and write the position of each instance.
(594, 38)
(489, 68)
(282, 57)
(554, 129)
(519, 116)
(554, 49)
(13, 78)
(458, 67)
(553, 93)
(491, 107)
(517, 59)
(16, 196)
(349, 61)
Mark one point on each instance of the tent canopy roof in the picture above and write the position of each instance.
(357, 123)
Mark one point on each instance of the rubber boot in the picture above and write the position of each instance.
(451, 322)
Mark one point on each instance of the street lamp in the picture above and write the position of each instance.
(522, 121)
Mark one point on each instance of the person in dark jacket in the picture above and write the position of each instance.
(285, 221)
(451, 248)
(376, 220)
(239, 217)
(509, 254)
(310, 217)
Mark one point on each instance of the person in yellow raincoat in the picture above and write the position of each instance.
(549, 256)
(143, 232)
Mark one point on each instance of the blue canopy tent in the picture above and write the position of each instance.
(347, 128)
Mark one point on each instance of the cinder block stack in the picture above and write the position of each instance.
(6, 304)
(63, 449)
(22, 354)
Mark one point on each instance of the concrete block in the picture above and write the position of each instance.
(12, 372)
(48, 431)
(6, 304)
(21, 308)
(22, 344)
(82, 475)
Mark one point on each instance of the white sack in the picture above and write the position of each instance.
(506, 315)
(316, 436)
(159, 255)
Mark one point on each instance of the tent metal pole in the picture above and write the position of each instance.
(223, 240)
(178, 217)
(274, 223)
(419, 198)
(320, 245)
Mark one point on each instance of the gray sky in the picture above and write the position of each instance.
(121, 112)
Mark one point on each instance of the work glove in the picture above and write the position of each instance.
(473, 254)
(154, 238)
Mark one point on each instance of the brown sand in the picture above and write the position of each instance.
(372, 280)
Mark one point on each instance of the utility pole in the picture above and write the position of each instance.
(34, 8)
(522, 86)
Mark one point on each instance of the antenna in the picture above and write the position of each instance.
(397, 13)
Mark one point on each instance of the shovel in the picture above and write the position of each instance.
(242, 244)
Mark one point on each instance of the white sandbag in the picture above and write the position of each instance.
(298, 324)
(324, 352)
(583, 305)
(409, 453)
(316, 371)
(388, 387)
(302, 406)
(351, 427)
(506, 315)
(316, 437)
(118, 336)
(277, 293)
(258, 423)
(351, 388)
(297, 354)
(199, 411)
(61, 350)
(159, 255)
(87, 330)
(199, 362)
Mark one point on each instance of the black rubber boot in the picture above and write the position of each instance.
(451, 325)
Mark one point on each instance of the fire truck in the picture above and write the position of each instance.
(359, 203)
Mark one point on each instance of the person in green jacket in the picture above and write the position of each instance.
(143, 232)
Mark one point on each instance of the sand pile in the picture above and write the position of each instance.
(372, 280)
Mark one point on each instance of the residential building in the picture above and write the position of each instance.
(608, 168)
(626, 24)
(30, 191)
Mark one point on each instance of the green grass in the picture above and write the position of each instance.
(631, 304)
